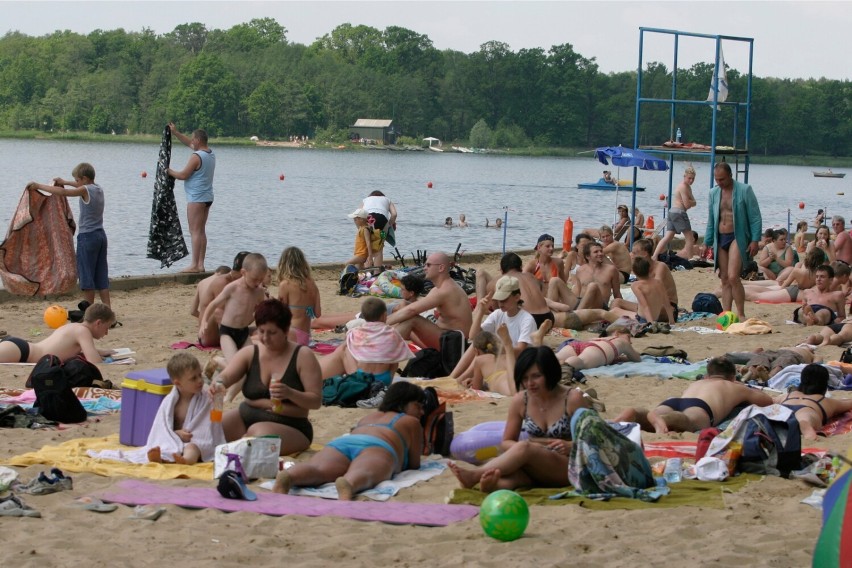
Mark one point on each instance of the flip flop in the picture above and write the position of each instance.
(147, 513)
(93, 504)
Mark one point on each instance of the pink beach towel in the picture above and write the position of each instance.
(133, 492)
(377, 342)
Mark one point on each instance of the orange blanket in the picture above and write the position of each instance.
(38, 256)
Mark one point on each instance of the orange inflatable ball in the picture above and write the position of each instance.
(429, 185)
(801, 205)
(55, 316)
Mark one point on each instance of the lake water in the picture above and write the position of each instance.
(254, 210)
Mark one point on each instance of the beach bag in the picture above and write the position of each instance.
(704, 438)
(348, 280)
(346, 390)
(453, 345)
(427, 364)
(54, 398)
(81, 373)
(772, 447)
(438, 425)
(258, 456)
(707, 303)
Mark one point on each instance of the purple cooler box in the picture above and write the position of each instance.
(141, 395)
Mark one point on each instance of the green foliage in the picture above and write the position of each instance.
(249, 80)
(480, 135)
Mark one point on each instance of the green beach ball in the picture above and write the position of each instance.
(504, 515)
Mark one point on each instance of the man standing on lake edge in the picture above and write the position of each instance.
(733, 230)
(198, 184)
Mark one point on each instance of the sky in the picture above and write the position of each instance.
(791, 39)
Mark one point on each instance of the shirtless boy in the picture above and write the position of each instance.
(703, 404)
(659, 271)
(206, 292)
(238, 301)
(652, 301)
(821, 306)
(813, 410)
(615, 253)
(447, 297)
(68, 341)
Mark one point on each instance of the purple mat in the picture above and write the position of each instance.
(133, 492)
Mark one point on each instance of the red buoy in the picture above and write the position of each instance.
(281, 177)
(662, 197)
(429, 185)
(144, 174)
(801, 204)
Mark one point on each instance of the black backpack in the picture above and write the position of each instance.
(78, 373)
(772, 447)
(427, 364)
(707, 303)
(54, 398)
(453, 346)
(438, 425)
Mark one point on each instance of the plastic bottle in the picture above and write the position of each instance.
(673, 473)
(277, 404)
(678, 135)
(218, 405)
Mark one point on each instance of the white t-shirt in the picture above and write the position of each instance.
(377, 204)
(521, 327)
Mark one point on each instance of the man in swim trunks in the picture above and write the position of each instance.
(678, 219)
(761, 365)
(704, 403)
(820, 305)
(598, 281)
(447, 297)
(734, 230)
(206, 291)
(842, 241)
(813, 410)
(659, 272)
(66, 342)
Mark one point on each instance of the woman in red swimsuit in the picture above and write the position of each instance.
(598, 352)
(544, 266)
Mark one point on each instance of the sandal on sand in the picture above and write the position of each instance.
(12, 506)
(147, 513)
(93, 504)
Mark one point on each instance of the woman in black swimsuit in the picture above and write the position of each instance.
(273, 407)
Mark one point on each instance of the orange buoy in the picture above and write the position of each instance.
(567, 234)
(281, 177)
(801, 204)
(144, 174)
(662, 197)
(429, 184)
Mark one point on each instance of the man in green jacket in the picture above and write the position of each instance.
(733, 230)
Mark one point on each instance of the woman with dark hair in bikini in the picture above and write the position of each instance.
(542, 409)
(813, 410)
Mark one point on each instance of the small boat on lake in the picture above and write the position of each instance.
(607, 186)
(829, 174)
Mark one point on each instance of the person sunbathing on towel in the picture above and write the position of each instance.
(762, 365)
(66, 342)
(703, 404)
(383, 444)
(576, 355)
(373, 347)
(813, 410)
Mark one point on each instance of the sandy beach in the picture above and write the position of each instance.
(764, 524)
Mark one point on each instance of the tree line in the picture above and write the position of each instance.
(250, 80)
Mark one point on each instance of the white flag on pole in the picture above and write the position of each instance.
(719, 82)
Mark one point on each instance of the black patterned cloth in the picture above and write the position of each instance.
(165, 237)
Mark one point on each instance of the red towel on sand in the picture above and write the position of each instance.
(38, 256)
